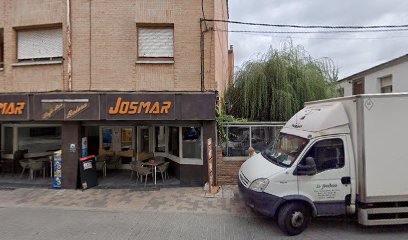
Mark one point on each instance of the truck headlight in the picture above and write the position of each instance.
(259, 184)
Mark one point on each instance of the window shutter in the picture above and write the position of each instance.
(44, 43)
(155, 42)
(386, 81)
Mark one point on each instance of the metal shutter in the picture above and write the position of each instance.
(155, 42)
(44, 43)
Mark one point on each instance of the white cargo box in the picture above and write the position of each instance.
(379, 131)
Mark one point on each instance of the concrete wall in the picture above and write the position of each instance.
(104, 46)
(372, 81)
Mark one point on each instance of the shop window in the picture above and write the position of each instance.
(126, 138)
(8, 139)
(191, 142)
(107, 138)
(1, 48)
(155, 42)
(39, 44)
(386, 84)
(39, 139)
(160, 139)
(174, 148)
(144, 134)
(327, 154)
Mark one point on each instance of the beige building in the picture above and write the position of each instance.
(150, 70)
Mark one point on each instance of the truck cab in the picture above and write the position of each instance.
(307, 172)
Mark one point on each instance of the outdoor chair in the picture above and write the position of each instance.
(163, 170)
(142, 171)
(25, 164)
(133, 166)
(101, 165)
(36, 166)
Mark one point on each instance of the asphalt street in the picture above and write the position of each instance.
(86, 223)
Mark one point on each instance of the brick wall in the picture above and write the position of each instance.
(104, 45)
(227, 170)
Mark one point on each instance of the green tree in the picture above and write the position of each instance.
(275, 86)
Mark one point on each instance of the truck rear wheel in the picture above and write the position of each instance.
(293, 218)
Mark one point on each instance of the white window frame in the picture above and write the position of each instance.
(385, 83)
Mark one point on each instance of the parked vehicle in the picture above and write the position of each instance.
(334, 157)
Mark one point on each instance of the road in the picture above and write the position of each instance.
(167, 213)
(55, 223)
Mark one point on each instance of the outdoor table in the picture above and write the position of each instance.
(43, 156)
(153, 163)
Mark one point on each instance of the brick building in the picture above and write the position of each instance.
(128, 75)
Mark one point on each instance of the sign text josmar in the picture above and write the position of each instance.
(140, 107)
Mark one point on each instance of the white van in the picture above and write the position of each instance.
(334, 157)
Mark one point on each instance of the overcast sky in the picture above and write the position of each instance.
(350, 52)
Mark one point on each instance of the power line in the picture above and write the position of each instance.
(307, 26)
(319, 32)
(340, 38)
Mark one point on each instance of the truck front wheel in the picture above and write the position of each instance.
(293, 218)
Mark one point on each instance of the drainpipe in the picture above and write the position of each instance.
(69, 46)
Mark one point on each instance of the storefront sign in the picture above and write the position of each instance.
(13, 107)
(148, 107)
(139, 107)
(66, 107)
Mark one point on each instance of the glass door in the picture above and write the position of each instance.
(144, 139)
(117, 139)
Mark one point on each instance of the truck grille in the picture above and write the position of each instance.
(244, 180)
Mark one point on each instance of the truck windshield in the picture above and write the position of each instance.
(285, 149)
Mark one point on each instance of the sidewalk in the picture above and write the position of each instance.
(184, 200)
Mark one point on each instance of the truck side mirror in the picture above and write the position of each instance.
(307, 169)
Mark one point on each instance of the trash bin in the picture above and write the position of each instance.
(87, 169)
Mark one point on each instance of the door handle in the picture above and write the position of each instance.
(345, 180)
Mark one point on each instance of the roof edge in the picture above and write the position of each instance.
(378, 67)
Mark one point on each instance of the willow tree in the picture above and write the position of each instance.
(276, 85)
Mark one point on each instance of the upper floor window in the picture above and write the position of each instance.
(1, 48)
(386, 84)
(156, 42)
(358, 86)
(39, 44)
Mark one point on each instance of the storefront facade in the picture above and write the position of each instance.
(132, 75)
(171, 125)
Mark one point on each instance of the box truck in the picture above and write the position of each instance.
(334, 157)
